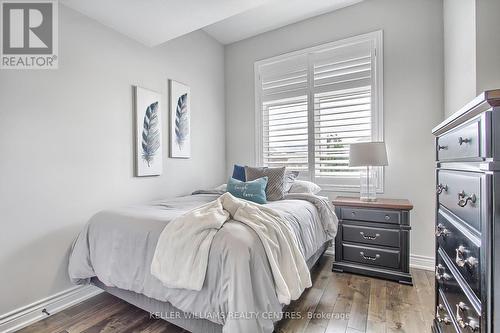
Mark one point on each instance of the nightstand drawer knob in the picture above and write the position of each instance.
(387, 217)
(369, 237)
(369, 257)
(353, 213)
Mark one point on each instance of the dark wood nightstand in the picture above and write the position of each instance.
(373, 238)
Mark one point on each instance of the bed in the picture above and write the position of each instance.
(115, 249)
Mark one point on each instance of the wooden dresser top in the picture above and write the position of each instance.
(382, 203)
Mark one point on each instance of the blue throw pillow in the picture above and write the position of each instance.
(239, 173)
(254, 190)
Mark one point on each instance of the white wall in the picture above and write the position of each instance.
(459, 18)
(472, 50)
(66, 138)
(413, 92)
(487, 45)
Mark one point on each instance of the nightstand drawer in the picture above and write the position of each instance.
(371, 256)
(370, 235)
(373, 215)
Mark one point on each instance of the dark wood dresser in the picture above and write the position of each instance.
(468, 218)
(373, 238)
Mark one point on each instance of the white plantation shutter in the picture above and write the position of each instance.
(284, 78)
(286, 135)
(284, 113)
(312, 104)
(340, 119)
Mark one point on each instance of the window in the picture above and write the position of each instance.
(311, 104)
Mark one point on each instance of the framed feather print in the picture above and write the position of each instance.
(180, 120)
(149, 161)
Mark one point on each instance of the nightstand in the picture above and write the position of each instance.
(373, 238)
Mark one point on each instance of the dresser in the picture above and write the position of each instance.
(373, 238)
(467, 230)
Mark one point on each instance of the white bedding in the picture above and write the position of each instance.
(181, 256)
(117, 247)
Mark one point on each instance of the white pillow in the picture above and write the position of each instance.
(303, 186)
(222, 187)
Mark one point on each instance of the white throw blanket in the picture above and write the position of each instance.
(181, 255)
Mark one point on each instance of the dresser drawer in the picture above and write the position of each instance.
(444, 317)
(370, 235)
(371, 256)
(460, 143)
(460, 192)
(463, 310)
(374, 215)
(462, 251)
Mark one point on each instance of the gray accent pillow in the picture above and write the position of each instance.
(290, 177)
(275, 189)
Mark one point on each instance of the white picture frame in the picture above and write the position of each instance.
(148, 142)
(180, 120)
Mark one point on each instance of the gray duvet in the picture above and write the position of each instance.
(117, 247)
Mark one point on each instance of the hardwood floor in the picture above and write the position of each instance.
(337, 302)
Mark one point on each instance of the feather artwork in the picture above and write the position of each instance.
(181, 121)
(150, 134)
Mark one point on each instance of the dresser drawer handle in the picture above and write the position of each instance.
(368, 257)
(463, 199)
(442, 147)
(472, 325)
(446, 320)
(387, 217)
(369, 237)
(441, 231)
(441, 273)
(460, 259)
(462, 140)
(440, 188)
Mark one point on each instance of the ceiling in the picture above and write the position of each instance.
(269, 16)
(153, 22)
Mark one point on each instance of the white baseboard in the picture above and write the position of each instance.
(31, 313)
(422, 262)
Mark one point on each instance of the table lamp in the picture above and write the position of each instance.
(369, 155)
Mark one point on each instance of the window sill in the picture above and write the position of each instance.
(345, 188)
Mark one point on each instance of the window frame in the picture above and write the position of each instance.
(376, 38)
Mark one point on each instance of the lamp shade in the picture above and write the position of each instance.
(367, 154)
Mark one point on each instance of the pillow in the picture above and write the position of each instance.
(275, 189)
(222, 187)
(290, 177)
(254, 190)
(239, 172)
(303, 186)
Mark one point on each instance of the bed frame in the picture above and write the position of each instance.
(176, 316)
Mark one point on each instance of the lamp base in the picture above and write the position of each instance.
(368, 181)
